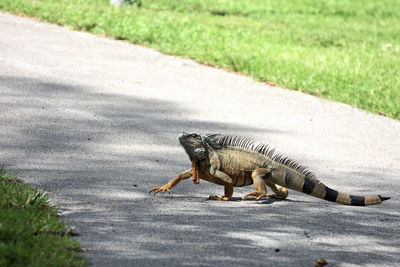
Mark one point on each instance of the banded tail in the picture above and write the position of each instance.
(308, 184)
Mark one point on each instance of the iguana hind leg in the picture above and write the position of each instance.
(280, 191)
(261, 178)
(259, 184)
(227, 196)
(182, 176)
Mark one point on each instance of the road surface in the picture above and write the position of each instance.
(95, 122)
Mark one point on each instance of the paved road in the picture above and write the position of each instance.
(95, 121)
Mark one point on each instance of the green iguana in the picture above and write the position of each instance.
(236, 161)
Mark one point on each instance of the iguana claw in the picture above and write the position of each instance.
(161, 188)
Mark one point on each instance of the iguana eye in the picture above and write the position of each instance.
(194, 135)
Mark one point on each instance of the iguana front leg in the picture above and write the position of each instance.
(182, 176)
(227, 196)
(222, 178)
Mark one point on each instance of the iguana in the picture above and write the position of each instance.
(236, 161)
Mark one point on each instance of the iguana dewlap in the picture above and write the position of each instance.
(235, 161)
(195, 173)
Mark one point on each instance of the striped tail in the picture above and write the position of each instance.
(308, 184)
(346, 199)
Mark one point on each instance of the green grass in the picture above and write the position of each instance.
(31, 233)
(347, 51)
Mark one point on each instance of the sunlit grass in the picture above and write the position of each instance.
(31, 233)
(347, 51)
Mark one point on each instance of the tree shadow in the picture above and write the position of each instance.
(100, 153)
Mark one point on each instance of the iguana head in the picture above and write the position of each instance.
(194, 146)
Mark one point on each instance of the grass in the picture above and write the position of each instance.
(31, 233)
(346, 51)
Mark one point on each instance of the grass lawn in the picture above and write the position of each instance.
(347, 51)
(31, 233)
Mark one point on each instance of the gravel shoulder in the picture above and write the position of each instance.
(95, 122)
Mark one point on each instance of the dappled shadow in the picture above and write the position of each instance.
(100, 153)
(194, 230)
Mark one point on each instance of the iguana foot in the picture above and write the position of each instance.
(163, 188)
(257, 194)
(224, 198)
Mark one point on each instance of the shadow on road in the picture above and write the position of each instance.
(99, 153)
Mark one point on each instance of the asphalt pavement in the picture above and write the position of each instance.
(95, 122)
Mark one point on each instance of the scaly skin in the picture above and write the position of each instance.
(235, 162)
